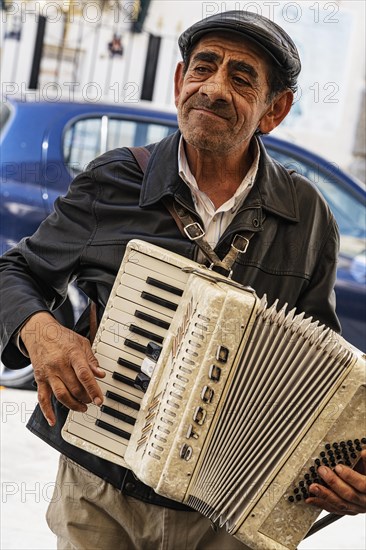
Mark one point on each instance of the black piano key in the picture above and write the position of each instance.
(146, 334)
(158, 300)
(118, 414)
(142, 381)
(151, 319)
(164, 286)
(135, 345)
(123, 400)
(124, 379)
(128, 364)
(113, 429)
(153, 351)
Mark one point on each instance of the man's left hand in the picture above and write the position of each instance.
(345, 493)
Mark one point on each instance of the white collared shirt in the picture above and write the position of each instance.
(216, 221)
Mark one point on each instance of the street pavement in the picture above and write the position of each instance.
(28, 469)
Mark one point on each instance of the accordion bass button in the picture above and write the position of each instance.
(186, 452)
(207, 394)
(191, 433)
(199, 415)
(214, 373)
(222, 354)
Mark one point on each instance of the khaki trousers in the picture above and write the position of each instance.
(86, 513)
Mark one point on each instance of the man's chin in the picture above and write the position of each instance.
(206, 142)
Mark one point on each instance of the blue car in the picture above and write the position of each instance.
(44, 145)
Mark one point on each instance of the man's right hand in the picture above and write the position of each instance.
(63, 363)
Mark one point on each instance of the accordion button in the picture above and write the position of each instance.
(186, 452)
(214, 373)
(207, 394)
(191, 433)
(222, 354)
(199, 415)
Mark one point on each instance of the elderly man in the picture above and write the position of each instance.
(236, 81)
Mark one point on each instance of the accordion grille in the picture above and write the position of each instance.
(288, 368)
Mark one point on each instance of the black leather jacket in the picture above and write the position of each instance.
(292, 256)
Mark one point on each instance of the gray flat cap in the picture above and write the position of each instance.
(267, 35)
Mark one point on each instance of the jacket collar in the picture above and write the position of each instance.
(273, 190)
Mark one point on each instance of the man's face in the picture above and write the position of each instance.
(222, 97)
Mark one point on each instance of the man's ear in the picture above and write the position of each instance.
(279, 108)
(178, 81)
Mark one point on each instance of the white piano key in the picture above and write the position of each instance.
(130, 392)
(141, 285)
(98, 436)
(135, 297)
(141, 263)
(128, 307)
(117, 342)
(126, 319)
(95, 413)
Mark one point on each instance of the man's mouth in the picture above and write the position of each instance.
(210, 112)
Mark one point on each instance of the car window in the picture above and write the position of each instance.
(88, 138)
(82, 143)
(126, 133)
(348, 209)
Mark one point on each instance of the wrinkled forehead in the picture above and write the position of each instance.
(235, 45)
(234, 50)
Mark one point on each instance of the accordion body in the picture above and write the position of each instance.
(244, 402)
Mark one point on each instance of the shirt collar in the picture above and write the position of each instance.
(274, 189)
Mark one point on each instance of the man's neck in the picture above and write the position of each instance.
(218, 175)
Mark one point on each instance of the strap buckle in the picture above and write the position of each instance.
(240, 244)
(194, 231)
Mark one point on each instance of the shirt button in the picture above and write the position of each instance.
(255, 222)
(130, 486)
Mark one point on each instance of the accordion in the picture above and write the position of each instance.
(219, 401)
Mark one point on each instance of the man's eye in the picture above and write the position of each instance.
(241, 81)
(201, 70)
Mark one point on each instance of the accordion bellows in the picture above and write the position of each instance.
(244, 403)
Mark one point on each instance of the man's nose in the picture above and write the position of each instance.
(216, 87)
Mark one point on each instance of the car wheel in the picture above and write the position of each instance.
(23, 378)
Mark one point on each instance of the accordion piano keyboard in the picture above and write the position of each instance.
(143, 305)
